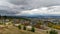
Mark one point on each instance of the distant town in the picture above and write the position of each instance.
(36, 25)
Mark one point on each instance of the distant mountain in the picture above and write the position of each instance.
(40, 16)
(37, 16)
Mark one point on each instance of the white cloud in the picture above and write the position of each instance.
(7, 8)
(53, 10)
(21, 7)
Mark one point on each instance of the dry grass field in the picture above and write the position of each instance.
(14, 30)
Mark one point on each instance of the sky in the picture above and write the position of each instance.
(29, 7)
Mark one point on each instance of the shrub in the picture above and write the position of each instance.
(19, 26)
(24, 28)
(33, 29)
(46, 31)
(56, 27)
(53, 32)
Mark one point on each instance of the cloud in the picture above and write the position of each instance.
(7, 8)
(35, 3)
(29, 7)
(53, 10)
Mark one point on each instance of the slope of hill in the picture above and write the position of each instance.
(15, 30)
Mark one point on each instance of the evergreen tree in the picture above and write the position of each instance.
(33, 29)
(53, 32)
(19, 26)
(24, 28)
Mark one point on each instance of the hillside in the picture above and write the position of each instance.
(15, 30)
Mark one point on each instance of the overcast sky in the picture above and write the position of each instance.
(29, 7)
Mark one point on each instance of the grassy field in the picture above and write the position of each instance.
(14, 30)
(10, 29)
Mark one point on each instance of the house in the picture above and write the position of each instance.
(28, 28)
(46, 22)
(16, 21)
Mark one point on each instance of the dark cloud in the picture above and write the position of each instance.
(16, 7)
(18, 2)
(36, 3)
